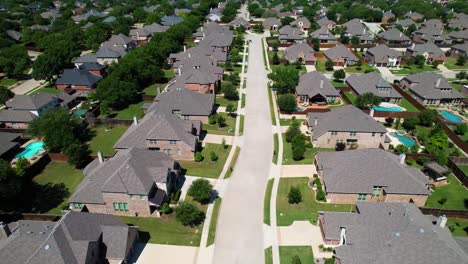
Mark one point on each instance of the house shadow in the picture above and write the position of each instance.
(47, 196)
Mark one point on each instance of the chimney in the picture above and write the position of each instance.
(321, 84)
(343, 236)
(442, 221)
(412, 46)
(315, 121)
(401, 34)
(371, 112)
(402, 158)
(189, 55)
(4, 231)
(178, 70)
(438, 82)
(100, 158)
(159, 90)
(185, 48)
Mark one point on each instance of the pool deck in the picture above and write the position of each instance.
(394, 141)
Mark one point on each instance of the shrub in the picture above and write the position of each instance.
(287, 102)
(401, 149)
(212, 119)
(320, 196)
(442, 201)
(275, 59)
(200, 190)
(175, 196)
(422, 160)
(414, 148)
(389, 121)
(410, 123)
(460, 129)
(223, 143)
(198, 156)
(409, 161)
(221, 121)
(340, 146)
(188, 214)
(292, 131)
(339, 74)
(213, 156)
(427, 117)
(230, 91)
(329, 65)
(296, 260)
(294, 195)
(166, 209)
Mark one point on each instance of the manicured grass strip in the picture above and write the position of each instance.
(303, 252)
(244, 97)
(454, 193)
(308, 209)
(207, 168)
(233, 163)
(228, 129)
(407, 70)
(288, 122)
(266, 202)
(55, 184)
(268, 256)
(105, 138)
(165, 230)
(263, 53)
(458, 227)
(408, 106)
(241, 125)
(7, 82)
(272, 110)
(276, 148)
(214, 221)
(351, 97)
(221, 101)
(50, 90)
(308, 155)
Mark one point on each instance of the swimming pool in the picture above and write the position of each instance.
(451, 116)
(407, 141)
(387, 107)
(31, 149)
(79, 112)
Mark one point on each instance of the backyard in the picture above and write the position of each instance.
(105, 138)
(408, 106)
(153, 89)
(129, 112)
(304, 253)
(364, 68)
(458, 227)
(451, 63)
(307, 209)
(207, 168)
(451, 196)
(228, 129)
(308, 155)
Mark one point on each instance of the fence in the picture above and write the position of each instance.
(58, 156)
(147, 97)
(13, 130)
(15, 216)
(307, 110)
(108, 121)
(460, 214)
(452, 164)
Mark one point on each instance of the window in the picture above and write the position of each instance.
(377, 191)
(186, 117)
(362, 197)
(142, 197)
(153, 141)
(179, 152)
(122, 207)
(133, 197)
(77, 205)
(352, 133)
(334, 133)
(172, 142)
(116, 206)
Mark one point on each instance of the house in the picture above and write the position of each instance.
(16, 119)
(9, 145)
(431, 52)
(134, 182)
(206, 64)
(373, 83)
(387, 16)
(346, 124)
(414, 16)
(383, 56)
(301, 52)
(431, 35)
(460, 21)
(165, 133)
(302, 23)
(271, 23)
(389, 233)
(459, 36)
(197, 80)
(109, 20)
(459, 50)
(315, 88)
(140, 35)
(430, 88)
(171, 20)
(436, 172)
(184, 104)
(240, 21)
(323, 35)
(405, 23)
(107, 56)
(433, 23)
(370, 175)
(209, 28)
(200, 50)
(51, 14)
(76, 238)
(14, 35)
(394, 36)
(325, 22)
(84, 77)
(39, 103)
(288, 34)
(355, 28)
(119, 42)
(219, 38)
(341, 56)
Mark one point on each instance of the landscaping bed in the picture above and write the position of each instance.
(228, 129)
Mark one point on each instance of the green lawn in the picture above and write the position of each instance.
(51, 90)
(454, 192)
(272, 110)
(458, 227)
(451, 63)
(288, 122)
(266, 202)
(276, 148)
(105, 138)
(165, 230)
(303, 252)
(350, 96)
(407, 70)
(307, 209)
(408, 106)
(241, 125)
(221, 101)
(7, 82)
(268, 256)
(243, 99)
(233, 162)
(228, 129)
(464, 168)
(264, 56)
(207, 168)
(214, 221)
(56, 183)
(153, 89)
(308, 155)
(338, 84)
(364, 68)
(131, 111)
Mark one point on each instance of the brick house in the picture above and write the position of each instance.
(135, 182)
(387, 16)
(431, 52)
(288, 34)
(394, 36)
(346, 124)
(325, 22)
(324, 35)
(302, 23)
(383, 56)
(315, 88)
(459, 50)
(197, 80)
(341, 56)
(370, 175)
(301, 52)
(83, 77)
(165, 133)
(373, 83)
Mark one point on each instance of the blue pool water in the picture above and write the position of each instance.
(297, 109)
(407, 141)
(388, 109)
(451, 116)
(79, 112)
(31, 149)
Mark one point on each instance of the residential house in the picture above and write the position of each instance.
(119, 42)
(373, 83)
(301, 52)
(134, 182)
(302, 23)
(430, 51)
(109, 20)
(325, 22)
(414, 16)
(14, 35)
(431, 35)
(405, 23)
(433, 23)
(355, 28)
(383, 56)
(460, 21)
(315, 88)
(389, 233)
(240, 21)
(107, 56)
(288, 34)
(341, 56)
(346, 124)
(459, 36)
(171, 20)
(76, 238)
(51, 14)
(200, 50)
(184, 104)
(90, 13)
(430, 88)
(197, 80)
(84, 77)
(459, 50)
(9, 145)
(217, 40)
(394, 36)
(140, 35)
(271, 23)
(323, 35)
(387, 16)
(39, 103)
(203, 63)
(16, 119)
(372, 175)
(165, 133)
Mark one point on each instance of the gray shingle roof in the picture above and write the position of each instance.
(271, 21)
(405, 22)
(371, 83)
(290, 33)
(426, 86)
(391, 233)
(459, 34)
(299, 50)
(78, 77)
(193, 76)
(394, 34)
(15, 35)
(7, 141)
(313, 83)
(104, 53)
(359, 171)
(420, 49)
(170, 20)
(325, 21)
(462, 47)
(86, 58)
(382, 53)
(323, 34)
(340, 51)
(36, 101)
(300, 20)
(186, 101)
(9, 115)
(345, 118)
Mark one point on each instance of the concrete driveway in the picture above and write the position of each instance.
(239, 233)
(156, 253)
(298, 171)
(26, 86)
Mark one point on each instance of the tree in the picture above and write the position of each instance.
(435, 64)
(258, 28)
(355, 40)
(389, 121)
(410, 123)
(213, 156)
(420, 60)
(461, 75)
(294, 195)
(166, 209)
(188, 214)
(287, 102)
(460, 129)
(230, 92)
(5, 94)
(198, 156)
(275, 58)
(200, 190)
(286, 20)
(223, 143)
(221, 121)
(345, 39)
(77, 154)
(293, 130)
(316, 44)
(298, 147)
(401, 149)
(285, 79)
(21, 166)
(367, 101)
(461, 61)
(10, 184)
(14, 60)
(329, 65)
(230, 109)
(296, 260)
(359, 65)
(427, 117)
(212, 119)
(339, 74)
(414, 148)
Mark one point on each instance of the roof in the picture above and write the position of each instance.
(119, 40)
(413, 15)
(461, 34)
(17, 116)
(429, 85)
(462, 47)
(131, 171)
(195, 76)
(382, 53)
(15, 35)
(300, 20)
(393, 34)
(420, 49)
(78, 77)
(433, 23)
(359, 171)
(388, 14)
(271, 21)
(436, 167)
(170, 20)
(7, 141)
(405, 22)
(340, 51)
(325, 21)
(299, 50)
(186, 101)
(36, 101)
(110, 19)
(323, 33)
(86, 58)
(313, 83)
(239, 21)
(106, 53)
(158, 126)
(389, 233)
(372, 83)
(346, 118)
(290, 33)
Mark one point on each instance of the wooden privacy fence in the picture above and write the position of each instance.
(108, 121)
(452, 164)
(460, 214)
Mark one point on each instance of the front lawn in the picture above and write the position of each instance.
(320, 65)
(407, 70)
(308, 209)
(451, 63)
(266, 202)
(276, 148)
(51, 90)
(451, 196)
(228, 129)
(7, 82)
(268, 256)
(303, 252)
(241, 125)
(214, 221)
(53, 186)
(221, 101)
(104, 138)
(206, 167)
(308, 155)
(408, 106)
(363, 69)
(458, 227)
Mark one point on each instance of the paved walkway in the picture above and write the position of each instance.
(298, 171)
(217, 139)
(157, 253)
(446, 72)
